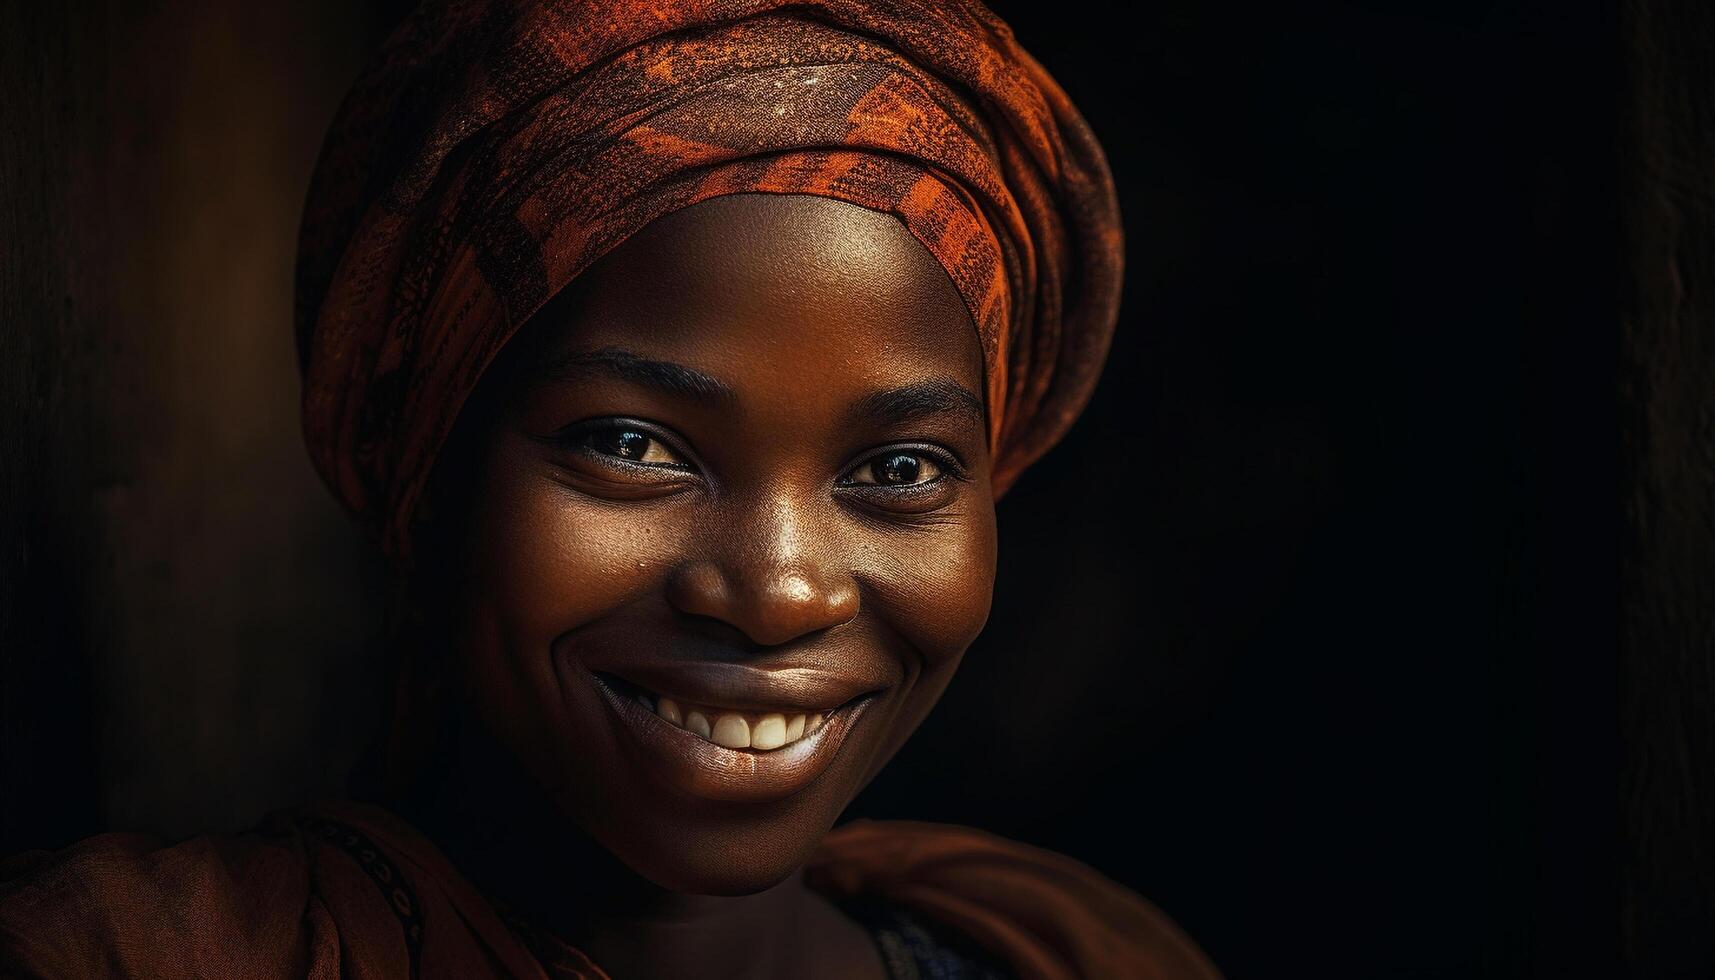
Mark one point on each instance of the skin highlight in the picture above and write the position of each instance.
(743, 456)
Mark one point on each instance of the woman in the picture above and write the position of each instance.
(678, 352)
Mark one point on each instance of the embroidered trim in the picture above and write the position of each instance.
(911, 952)
(401, 897)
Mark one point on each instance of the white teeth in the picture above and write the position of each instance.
(697, 723)
(737, 730)
(732, 731)
(669, 709)
(770, 732)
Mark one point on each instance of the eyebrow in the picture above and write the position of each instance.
(920, 400)
(665, 376)
(895, 406)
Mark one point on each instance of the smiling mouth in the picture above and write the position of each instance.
(751, 753)
(729, 728)
(737, 729)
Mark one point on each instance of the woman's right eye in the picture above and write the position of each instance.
(627, 442)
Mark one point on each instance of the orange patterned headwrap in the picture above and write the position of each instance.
(497, 148)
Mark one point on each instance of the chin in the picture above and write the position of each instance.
(740, 854)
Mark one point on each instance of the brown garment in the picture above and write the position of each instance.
(497, 148)
(350, 891)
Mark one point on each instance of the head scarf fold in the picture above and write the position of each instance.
(497, 148)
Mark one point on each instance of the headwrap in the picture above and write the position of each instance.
(496, 148)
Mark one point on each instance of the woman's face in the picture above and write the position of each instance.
(731, 532)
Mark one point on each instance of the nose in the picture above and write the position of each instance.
(768, 574)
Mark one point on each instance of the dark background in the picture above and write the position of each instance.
(1310, 632)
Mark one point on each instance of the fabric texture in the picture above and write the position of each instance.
(1045, 915)
(497, 148)
(344, 891)
(911, 951)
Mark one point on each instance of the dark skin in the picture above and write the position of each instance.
(741, 465)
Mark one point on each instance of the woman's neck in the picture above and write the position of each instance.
(785, 931)
(516, 848)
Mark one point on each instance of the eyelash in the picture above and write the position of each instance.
(946, 462)
(575, 435)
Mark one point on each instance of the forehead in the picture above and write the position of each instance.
(770, 288)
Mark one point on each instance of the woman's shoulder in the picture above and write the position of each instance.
(335, 889)
(1043, 914)
(130, 904)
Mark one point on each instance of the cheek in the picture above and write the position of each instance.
(935, 589)
(542, 561)
(547, 559)
(936, 586)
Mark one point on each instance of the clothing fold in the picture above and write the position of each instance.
(348, 891)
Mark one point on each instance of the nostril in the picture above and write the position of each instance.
(788, 612)
(768, 606)
(700, 589)
(715, 629)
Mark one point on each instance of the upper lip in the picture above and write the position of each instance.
(749, 687)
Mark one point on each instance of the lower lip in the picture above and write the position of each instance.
(704, 769)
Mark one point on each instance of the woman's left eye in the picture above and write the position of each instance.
(897, 469)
